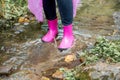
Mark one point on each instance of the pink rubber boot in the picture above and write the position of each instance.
(52, 32)
(68, 38)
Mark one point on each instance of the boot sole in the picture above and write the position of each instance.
(62, 49)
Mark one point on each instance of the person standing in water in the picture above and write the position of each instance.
(66, 14)
(67, 10)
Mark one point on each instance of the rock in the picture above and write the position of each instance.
(104, 71)
(116, 17)
(17, 32)
(17, 24)
(19, 29)
(95, 75)
(3, 48)
(106, 75)
(26, 23)
(34, 77)
(117, 77)
(21, 75)
(5, 70)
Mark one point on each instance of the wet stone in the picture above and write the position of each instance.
(117, 76)
(106, 75)
(5, 70)
(116, 17)
(104, 71)
(22, 75)
(95, 75)
(33, 77)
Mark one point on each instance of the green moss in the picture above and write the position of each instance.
(83, 75)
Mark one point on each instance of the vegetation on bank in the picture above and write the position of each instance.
(10, 11)
(13, 8)
(105, 50)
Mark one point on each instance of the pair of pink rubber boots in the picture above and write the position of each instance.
(68, 38)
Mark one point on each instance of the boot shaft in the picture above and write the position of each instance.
(53, 24)
(68, 30)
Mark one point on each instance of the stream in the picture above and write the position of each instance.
(23, 56)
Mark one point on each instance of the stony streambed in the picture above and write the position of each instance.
(33, 58)
(25, 57)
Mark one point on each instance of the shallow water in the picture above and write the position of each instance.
(29, 54)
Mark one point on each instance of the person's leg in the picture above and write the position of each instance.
(49, 7)
(66, 13)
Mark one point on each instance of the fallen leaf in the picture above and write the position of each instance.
(70, 58)
(58, 74)
(44, 78)
(21, 20)
(26, 20)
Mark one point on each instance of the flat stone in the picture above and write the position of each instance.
(117, 76)
(95, 75)
(5, 70)
(33, 77)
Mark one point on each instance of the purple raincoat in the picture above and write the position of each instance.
(36, 7)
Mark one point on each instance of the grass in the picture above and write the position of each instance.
(13, 8)
(105, 50)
